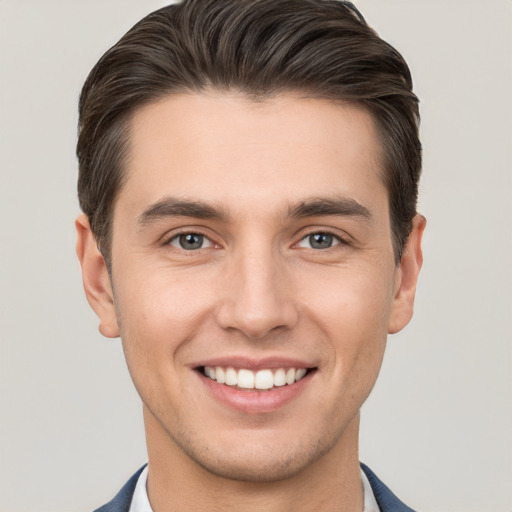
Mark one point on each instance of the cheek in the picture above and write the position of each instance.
(352, 299)
(353, 311)
(157, 323)
(157, 316)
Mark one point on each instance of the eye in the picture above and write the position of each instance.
(320, 241)
(190, 241)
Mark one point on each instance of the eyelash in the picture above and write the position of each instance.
(175, 237)
(325, 232)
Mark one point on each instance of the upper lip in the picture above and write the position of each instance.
(252, 363)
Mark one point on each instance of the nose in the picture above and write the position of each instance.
(257, 297)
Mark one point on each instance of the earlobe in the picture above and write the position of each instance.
(407, 277)
(96, 280)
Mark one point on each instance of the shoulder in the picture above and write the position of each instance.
(387, 501)
(123, 499)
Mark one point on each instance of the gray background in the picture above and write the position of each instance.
(438, 426)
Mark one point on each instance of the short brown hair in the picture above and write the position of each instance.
(323, 48)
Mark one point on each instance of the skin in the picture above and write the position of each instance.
(257, 288)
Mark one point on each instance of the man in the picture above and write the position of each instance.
(248, 177)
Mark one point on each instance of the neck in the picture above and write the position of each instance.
(177, 483)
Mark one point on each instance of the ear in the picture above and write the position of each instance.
(97, 286)
(407, 277)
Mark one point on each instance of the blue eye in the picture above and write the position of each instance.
(190, 241)
(319, 241)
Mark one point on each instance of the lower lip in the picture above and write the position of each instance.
(254, 401)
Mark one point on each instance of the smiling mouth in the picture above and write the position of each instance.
(260, 380)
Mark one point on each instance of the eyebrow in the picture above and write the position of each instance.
(317, 206)
(174, 207)
(337, 206)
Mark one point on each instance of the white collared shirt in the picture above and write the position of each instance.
(140, 501)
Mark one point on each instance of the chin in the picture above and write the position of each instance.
(261, 469)
(252, 462)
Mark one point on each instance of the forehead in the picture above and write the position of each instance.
(233, 150)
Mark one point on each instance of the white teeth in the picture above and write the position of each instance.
(290, 376)
(280, 378)
(247, 379)
(220, 375)
(264, 379)
(231, 377)
(299, 374)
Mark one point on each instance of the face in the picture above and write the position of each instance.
(253, 278)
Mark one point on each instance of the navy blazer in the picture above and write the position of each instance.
(387, 501)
